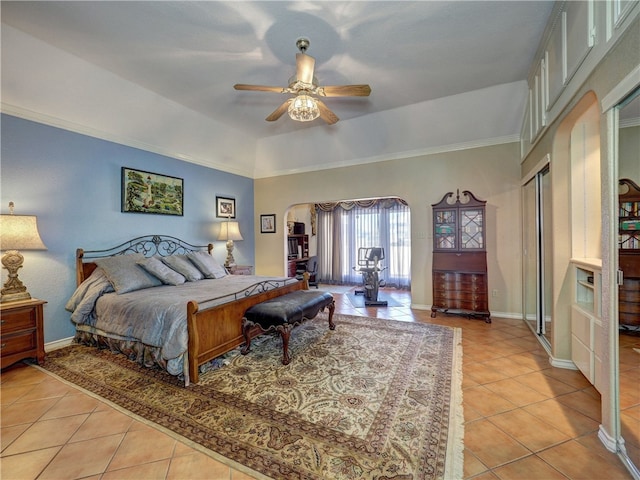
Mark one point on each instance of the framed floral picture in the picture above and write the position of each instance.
(146, 192)
(268, 223)
(225, 207)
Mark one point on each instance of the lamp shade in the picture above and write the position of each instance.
(20, 232)
(229, 231)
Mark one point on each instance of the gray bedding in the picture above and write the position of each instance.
(157, 316)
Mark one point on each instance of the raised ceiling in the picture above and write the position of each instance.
(192, 53)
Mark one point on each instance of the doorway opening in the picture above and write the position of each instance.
(338, 231)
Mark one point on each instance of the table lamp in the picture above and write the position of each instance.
(229, 231)
(17, 232)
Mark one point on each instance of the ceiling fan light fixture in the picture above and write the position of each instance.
(303, 108)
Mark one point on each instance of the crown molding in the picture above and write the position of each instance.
(488, 142)
(63, 124)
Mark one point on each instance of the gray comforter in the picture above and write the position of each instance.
(157, 316)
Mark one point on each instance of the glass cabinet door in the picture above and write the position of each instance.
(458, 226)
(445, 230)
(471, 232)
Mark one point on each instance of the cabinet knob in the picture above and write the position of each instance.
(3, 345)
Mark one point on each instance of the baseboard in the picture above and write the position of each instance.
(562, 363)
(510, 316)
(418, 306)
(607, 440)
(56, 344)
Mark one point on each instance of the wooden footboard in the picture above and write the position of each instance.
(217, 330)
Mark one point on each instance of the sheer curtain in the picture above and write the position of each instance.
(345, 227)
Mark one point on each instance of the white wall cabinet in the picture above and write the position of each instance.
(538, 94)
(578, 36)
(572, 35)
(554, 52)
(586, 323)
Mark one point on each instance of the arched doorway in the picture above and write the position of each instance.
(337, 230)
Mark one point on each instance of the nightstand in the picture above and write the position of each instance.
(240, 269)
(21, 331)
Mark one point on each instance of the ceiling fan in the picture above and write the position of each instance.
(304, 106)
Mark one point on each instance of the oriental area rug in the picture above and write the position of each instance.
(372, 399)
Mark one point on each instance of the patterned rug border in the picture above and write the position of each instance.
(176, 436)
(455, 462)
(454, 459)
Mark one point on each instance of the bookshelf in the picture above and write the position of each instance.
(298, 254)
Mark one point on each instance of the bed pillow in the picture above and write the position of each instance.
(166, 275)
(182, 265)
(207, 265)
(125, 274)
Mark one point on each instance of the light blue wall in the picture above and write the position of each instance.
(72, 183)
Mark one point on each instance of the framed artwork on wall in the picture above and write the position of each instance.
(268, 223)
(225, 207)
(146, 192)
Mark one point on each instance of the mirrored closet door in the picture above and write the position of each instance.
(629, 293)
(537, 253)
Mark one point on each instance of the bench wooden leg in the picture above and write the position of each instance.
(285, 333)
(247, 340)
(332, 307)
(249, 330)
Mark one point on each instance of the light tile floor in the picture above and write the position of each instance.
(523, 418)
(629, 357)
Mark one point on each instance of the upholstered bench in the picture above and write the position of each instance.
(282, 314)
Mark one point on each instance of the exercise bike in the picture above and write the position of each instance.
(369, 266)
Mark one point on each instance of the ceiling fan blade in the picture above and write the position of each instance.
(278, 112)
(326, 114)
(259, 88)
(304, 68)
(345, 91)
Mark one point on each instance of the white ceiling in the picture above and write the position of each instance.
(192, 53)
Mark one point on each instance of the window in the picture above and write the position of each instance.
(345, 227)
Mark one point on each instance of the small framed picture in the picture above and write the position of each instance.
(225, 207)
(268, 223)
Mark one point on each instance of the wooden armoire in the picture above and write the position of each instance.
(459, 257)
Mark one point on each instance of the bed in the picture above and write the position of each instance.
(158, 321)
